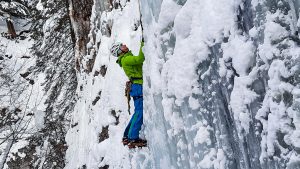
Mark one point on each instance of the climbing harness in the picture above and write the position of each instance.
(128, 88)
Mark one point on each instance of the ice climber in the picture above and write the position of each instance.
(132, 66)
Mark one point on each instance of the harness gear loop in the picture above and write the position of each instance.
(128, 88)
(127, 94)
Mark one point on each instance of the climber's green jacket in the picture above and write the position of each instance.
(133, 65)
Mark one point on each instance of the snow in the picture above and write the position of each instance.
(241, 96)
(39, 6)
(39, 119)
(170, 9)
(194, 104)
(215, 96)
(202, 136)
(218, 160)
(241, 52)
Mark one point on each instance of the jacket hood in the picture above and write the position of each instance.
(121, 56)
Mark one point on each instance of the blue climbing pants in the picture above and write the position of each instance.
(133, 128)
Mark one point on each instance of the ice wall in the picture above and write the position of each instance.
(222, 83)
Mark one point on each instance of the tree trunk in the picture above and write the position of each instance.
(11, 28)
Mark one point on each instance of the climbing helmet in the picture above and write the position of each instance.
(115, 50)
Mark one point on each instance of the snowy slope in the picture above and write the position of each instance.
(221, 86)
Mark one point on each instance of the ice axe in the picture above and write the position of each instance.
(139, 2)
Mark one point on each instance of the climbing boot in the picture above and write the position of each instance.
(125, 141)
(137, 143)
